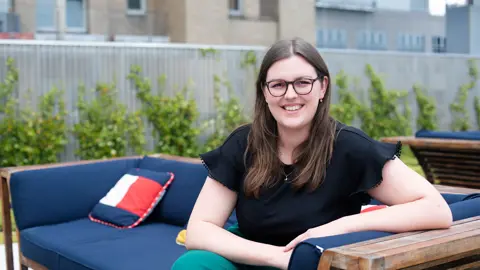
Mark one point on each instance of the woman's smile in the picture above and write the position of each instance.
(292, 108)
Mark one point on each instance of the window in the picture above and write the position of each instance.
(5, 5)
(235, 7)
(411, 42)
(75, 15)
(439, 44)
(331, 38)
(45, 14)
(136, 7)
(372, 40)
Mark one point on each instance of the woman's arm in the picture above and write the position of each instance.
(205, 230)
(414, 203)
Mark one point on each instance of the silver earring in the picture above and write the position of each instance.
(321, 100)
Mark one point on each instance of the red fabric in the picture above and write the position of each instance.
(140, 196)
(373, 208)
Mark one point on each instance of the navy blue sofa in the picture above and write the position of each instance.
(51, 206)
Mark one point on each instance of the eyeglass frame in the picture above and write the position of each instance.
(320, 78)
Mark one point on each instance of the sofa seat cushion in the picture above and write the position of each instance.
(83, 244)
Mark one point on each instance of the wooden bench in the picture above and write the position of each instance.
(445, 161)
(456, 246)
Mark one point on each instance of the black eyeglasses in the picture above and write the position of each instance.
(301, 86)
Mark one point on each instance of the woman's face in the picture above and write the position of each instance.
(293, 109)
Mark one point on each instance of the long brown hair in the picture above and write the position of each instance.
(313, 155)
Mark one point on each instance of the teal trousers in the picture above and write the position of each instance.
(206, 260)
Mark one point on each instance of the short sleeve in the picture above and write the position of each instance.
(369, 156)
(225, 163)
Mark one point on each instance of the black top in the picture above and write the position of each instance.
(281, 214)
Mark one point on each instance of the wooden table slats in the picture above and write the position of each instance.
(458, 245)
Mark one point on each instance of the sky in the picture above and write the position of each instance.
(437, 7)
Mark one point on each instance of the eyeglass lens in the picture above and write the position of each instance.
(302, 86)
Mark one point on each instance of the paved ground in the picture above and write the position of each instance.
(3, 264)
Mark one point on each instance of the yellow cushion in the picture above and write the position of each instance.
(181, 237)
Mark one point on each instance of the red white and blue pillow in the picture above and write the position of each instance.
(132, 199)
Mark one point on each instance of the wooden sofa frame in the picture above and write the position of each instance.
(458, 246)
(445, 161)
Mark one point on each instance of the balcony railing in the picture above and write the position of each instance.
(356, 5)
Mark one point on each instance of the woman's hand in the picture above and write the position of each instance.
(333, 228)
(280, 258)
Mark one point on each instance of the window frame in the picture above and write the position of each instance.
(439, 44)
(82, 29)
(236, 12)
(372, 40)
(137, 12)
(411, 42)
(68, 29)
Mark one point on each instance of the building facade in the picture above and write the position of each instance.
(463, 29)
(379, 25)
(403, 5)
(238, 22)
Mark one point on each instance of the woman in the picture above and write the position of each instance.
(295, 173)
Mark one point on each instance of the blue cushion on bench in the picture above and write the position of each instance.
(458, 135)
(466, 209)
(451, 198)
(306, 254)
(83, 244)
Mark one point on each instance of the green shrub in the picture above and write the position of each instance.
(30, 136)
(476, 104)
(106, 129)
(9, 84)
(427, 111)
(460, 115)
(173, 118)
(348, 106)
(229, 115)
(383, 117)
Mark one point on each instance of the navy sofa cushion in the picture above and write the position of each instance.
(56, 195)
(178, 202)
(83, 244)
(448, 197)
(458, 135)
(466, 208)
(306, 254)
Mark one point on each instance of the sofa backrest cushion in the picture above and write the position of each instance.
(178, 202)
(132, 199)
(473, 135)
(66, 193)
